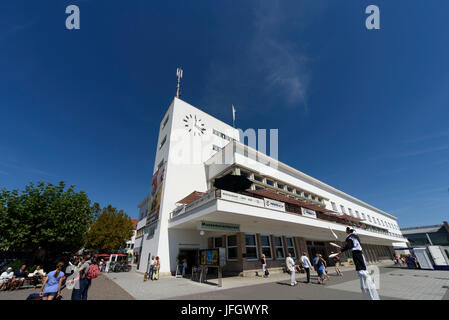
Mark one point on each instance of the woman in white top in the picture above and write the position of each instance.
(263, 260)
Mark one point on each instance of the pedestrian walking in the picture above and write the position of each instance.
(88, 271)
(156, 267)
(151, 267)
(184, 268)
(263, 261)
(366, 283)
(51, 288)
(306, 265)
(290, 264)
(321, 269)
(336, 260)
(325, 273)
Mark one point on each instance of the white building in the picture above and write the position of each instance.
(284, 210)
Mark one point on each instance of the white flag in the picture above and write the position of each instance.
(233, 114)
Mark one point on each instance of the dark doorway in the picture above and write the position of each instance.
(314, 247)
(192, 256)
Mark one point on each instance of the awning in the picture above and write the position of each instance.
(195, 195)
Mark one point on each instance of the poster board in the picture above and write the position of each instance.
(155, 195)
(210, 257)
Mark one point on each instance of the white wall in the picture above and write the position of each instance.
(185, 153)
(309, 186)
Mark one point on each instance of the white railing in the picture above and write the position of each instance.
(182, 209)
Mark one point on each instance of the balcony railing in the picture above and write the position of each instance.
(289, 207)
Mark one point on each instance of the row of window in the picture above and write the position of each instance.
(361, 215)
(279, 185)
(222, 135)
(251, 244)
(140, 232)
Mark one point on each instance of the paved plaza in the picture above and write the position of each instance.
(395, 283)
(102, 289)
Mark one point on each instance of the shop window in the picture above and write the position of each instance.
(232, 247)
(290, 247)
(266, 246)
(218, 242)
(251, 247)
(280, 253)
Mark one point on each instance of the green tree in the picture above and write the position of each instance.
(45, 218)
(110, 231)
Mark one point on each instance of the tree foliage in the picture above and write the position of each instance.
(45, 217)
(110, 231)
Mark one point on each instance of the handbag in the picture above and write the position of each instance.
(266, 272)
(72, 280)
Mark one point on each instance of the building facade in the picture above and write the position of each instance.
(437, 235)
(282, 211)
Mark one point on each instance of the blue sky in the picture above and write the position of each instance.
(364, 111)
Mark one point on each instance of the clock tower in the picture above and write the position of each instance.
(188, 137)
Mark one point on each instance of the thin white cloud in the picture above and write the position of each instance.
(432, 136)
(282, 62)
(14, 29)
(25, 168)
(271, 64)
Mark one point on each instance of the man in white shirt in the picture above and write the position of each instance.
(6, 277)
(290, 264)
(306, 264)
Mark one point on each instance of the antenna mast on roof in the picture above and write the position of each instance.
(179, 75)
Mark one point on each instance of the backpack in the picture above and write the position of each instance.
(34, 296)
(93, 271)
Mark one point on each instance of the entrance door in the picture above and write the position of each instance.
(317, 247)
(192, 256)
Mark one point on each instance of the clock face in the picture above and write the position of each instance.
(194, 124)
